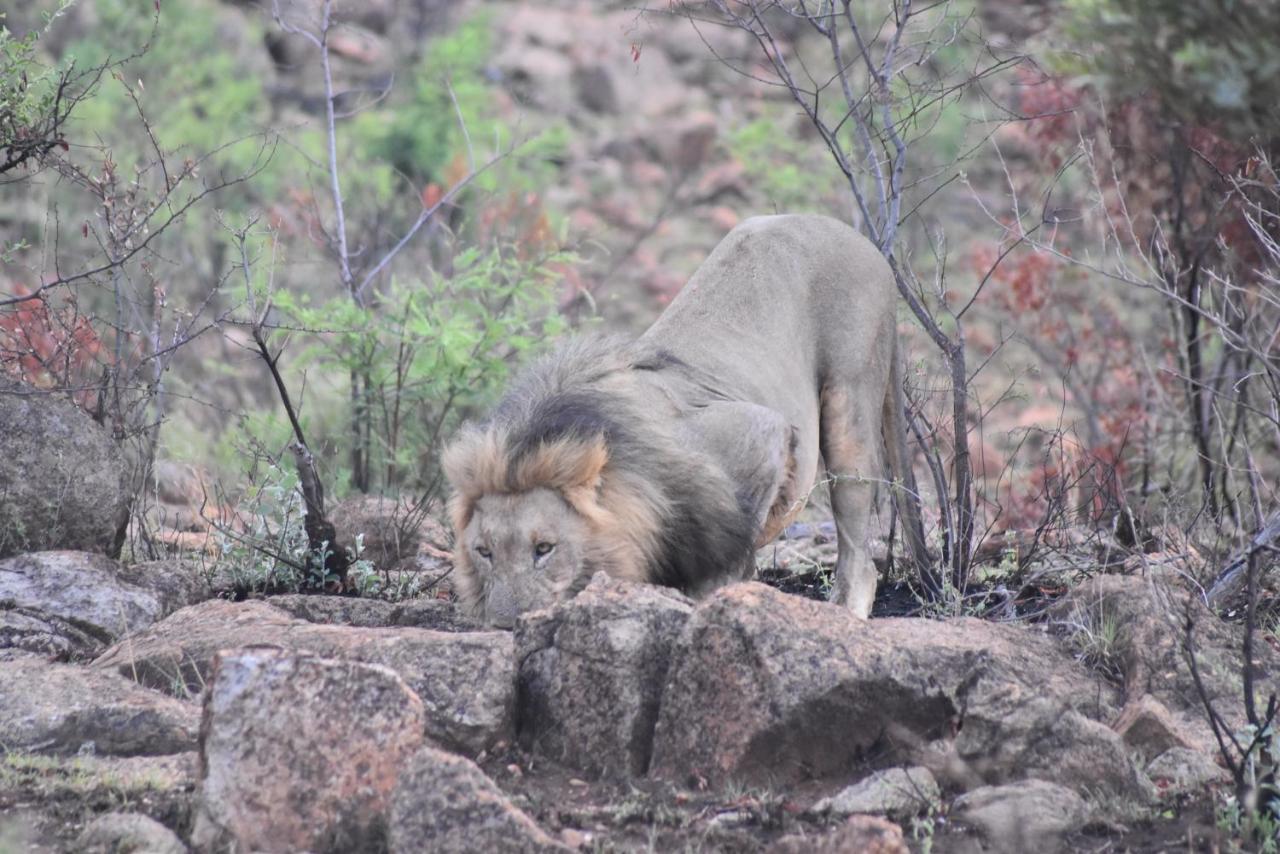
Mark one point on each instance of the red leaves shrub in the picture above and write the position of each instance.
(50, 347)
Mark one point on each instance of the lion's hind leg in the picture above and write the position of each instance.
(849, 434)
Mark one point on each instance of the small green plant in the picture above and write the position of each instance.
(265, 546)
(923, 828)
(1096, 633)
(431, 352)
(1256, 830)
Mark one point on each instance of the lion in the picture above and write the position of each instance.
(670, 459)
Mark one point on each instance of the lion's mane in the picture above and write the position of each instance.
(582, 421)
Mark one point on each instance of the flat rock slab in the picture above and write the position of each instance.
(769, 687)
(89, 591)
(299, 753)
(445, 804)
(591, 672)
(31, 631)
(376, 613)
(898, 792)
(61, 708)
(466, 680)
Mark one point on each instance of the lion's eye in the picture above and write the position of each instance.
(544, 549)
(484, 552)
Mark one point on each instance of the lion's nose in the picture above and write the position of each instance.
(501, 609)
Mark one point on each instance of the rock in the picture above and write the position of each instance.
(537, 76)
(435, 614)
(1183, 771)
(118, 832)
(445, 804)
(899, 792)
(61, 708)
(1032, 815)
(466, 680)
(538, 25)
(183, 484)
(61, 476)
(689, 142)
(863, 834)
(1146, 617)
(1149, 728)
(335, 610)
(89, 591)
(301, 753)
(389, 527)
(769, 686)
(29, 630)
(591, 672)
(176, 583)
(595, 88)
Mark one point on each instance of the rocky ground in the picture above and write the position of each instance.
(627, 719)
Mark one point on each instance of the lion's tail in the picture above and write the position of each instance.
(905, 495)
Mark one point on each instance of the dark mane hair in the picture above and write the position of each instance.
(582, 421)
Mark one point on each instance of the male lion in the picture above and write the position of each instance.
(672, 458)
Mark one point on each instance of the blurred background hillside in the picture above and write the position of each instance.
(568, 164)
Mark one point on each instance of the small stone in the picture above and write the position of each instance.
(118, 832)
(445, 804)
(863, 834)
(1148, 727)
(1030, 815)
(898, 792)
(1181, 770)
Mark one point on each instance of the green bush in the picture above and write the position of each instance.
(1207, 61)
(432, 352)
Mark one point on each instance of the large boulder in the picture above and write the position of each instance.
(175, 582)
(765, 686)
(466, 680)
(446, 804)
(591, 672)
(85, 590)
(299, 753)
(61, 475)
(61, 708)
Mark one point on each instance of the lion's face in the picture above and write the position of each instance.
(526, 551)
